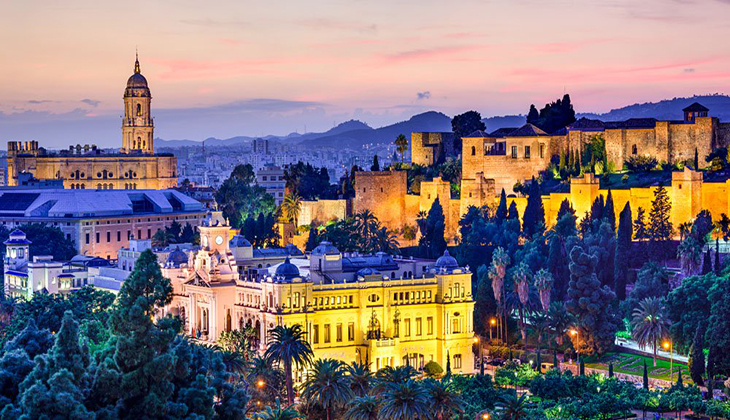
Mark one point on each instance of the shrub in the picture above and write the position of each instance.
(433, 369)
(637, 164)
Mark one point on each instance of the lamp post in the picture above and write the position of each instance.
(669, 345)
(481, 355)
(574, 333)
(492, 323)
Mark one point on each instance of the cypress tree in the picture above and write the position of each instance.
(717, 257)
(556, 365)
(597, 209)
(376, 165)
(311, 239)
(533, 221)
(582, 367)
(697, 161)
(679, 378)
(646, 377)
(501, 213)
(707, 263)
(509, 356)
(565, 208)
(623, 252)
(660, 224)
(610, 369)
(538, 360)
(608, 211)
(448, 364)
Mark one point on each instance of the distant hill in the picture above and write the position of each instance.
(668, 109)
(497, 122)
(427, 121)
(209, 142)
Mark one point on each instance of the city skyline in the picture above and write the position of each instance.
(221, 73)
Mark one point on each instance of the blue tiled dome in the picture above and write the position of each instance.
(239, 241)
(287, 270)
(447, 262)
(367, 272)
(325, 248)
(176, 258)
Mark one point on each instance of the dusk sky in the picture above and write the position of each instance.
(226, 68)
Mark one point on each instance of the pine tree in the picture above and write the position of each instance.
(610, 369)
(718, 267)
(565, 208)
(582, 367)
(533, 221)
(432, 242)
(660, 225)
(533, 116)
(707, 263)
(141, 353)
(697, 161)
(608, 211)
(501, 213)
(376, 165)
(679, 378)
(640, 230)
(597, 209)
(538, 361)
(556, 365)
(623, 252)
(512, 212)
(312, 239)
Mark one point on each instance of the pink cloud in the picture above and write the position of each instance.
(429, 54)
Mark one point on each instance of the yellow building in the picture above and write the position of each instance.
(136, 166)
(378, 308)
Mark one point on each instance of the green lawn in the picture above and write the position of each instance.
(633, 364)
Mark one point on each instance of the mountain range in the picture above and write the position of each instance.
(355, 133)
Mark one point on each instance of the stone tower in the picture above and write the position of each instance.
(137, 125)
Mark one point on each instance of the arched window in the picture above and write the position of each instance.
(634, 150)
(139, 110)
(473, 151)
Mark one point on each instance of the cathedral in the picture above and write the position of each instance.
(135, 166)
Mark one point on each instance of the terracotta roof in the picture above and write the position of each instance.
(502, 132)
(528, 130)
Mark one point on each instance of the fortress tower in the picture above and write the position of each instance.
(137, 125)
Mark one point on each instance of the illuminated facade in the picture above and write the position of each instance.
(375, 308)
(136, 166)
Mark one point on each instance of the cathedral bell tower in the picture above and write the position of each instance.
(137, 125)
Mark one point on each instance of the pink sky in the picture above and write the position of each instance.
(328, 61)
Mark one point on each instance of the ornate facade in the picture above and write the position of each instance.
(374, 308)
(136, 166)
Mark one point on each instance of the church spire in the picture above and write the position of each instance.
(136, 62)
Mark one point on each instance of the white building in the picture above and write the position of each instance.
(272, 179)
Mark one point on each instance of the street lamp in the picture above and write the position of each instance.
(485, 416)
(574, 333)
(492, 323)
(668, 345)
(481, 355)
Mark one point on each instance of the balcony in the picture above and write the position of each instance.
(385, 342)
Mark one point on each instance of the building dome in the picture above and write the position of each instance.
(137, 81)
(176, 258)
(17, 237)
(446, 262)
(325, 248)
(287, 270)
(239, 241)
(367, 271)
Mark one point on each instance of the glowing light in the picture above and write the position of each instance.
(493, 321)
(260, 383)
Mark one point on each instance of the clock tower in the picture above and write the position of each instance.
(137, 126)
(214, 233)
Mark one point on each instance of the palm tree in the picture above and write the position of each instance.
(386, 241)
(360, 377)
(544, 284)
(690, 254)
(684, 230)
(366, 225)
(362, 408)
(267, 378)
(278, 413)
(391, 374)
(443, 400)
(724, 225)
(541, 324)
(521, 277)
(560, 320)
(512, 407)
(404, 401)
(401, 143)
(327, 384)
(289, 346)
(649, 323)
(291, 206)
(497, 271)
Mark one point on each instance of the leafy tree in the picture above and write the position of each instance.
(560, 320)
(485, 305)
(707, 263)
(278, 413)
(401, 145)
(697, 357)
(501, 213)
(533, 115)
(239, 197)
(291, 206)
(432, 243)
(623, 252)
(404, 401)
(649, 324)
(512, 407)
(591, 304)
(443, 400)
(328, 385)
(464, 124)
(688, 306)
(311, 183)
(554, 116)
(641, 232)
(718, 331)
(651, 282)
(289, 346)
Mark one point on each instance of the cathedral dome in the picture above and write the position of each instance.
(287, 270)
(176, 258)
(446, 262)
(137, 81)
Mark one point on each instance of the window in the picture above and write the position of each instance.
(139, 233)
(457, 361)
(87, 239)
(514, 152)
(419, 329)
(119, 236)
(98, 239)
(315, 334)
(108, 236)
(149, 234)
(455, 326)
(339, 333)
(407, 327)
(327, 333)
(351, 331)
(429, 325)
(527, 152)
(473, 151)
(634, 150)
(542, 151)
